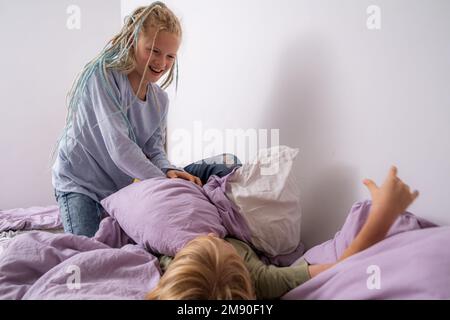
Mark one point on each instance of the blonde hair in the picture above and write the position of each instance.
(157, 16)
(200, 271)
(119, 54)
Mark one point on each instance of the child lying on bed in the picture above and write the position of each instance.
(212, 268)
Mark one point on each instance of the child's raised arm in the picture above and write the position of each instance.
(388, 202)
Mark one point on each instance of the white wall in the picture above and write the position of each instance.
(353, 100)
(39, 59)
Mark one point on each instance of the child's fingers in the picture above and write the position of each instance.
(405, 186)
(393, 171)
(198, 181)
(171, 174)
(192, 179)
(370, 185)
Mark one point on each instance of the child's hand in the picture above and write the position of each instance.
(183, 175)
(393, 197)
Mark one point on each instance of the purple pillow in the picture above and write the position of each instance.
(164, 214)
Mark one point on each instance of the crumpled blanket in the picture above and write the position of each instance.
(412, 262)
(30, 218)
(43, 265)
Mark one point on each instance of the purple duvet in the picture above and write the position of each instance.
(413, 262)
(42, 265)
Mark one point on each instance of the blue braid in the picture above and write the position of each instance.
(109, 57)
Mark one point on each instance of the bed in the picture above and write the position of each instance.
(38, 261)
(159, 216)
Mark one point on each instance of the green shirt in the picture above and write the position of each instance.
(270, 282)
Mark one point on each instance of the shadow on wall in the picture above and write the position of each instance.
(305, 107)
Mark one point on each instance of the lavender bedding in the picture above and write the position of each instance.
(412, 262)
(42, 265)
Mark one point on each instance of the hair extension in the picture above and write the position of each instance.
(118, 54)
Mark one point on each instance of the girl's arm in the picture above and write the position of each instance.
(154, 148)
(388, 202)
(112, 128)
(155, 151)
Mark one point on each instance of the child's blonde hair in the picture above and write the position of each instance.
(157, 16)
(200, 271)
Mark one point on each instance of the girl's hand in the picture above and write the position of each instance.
(393, 197)
(172, 174)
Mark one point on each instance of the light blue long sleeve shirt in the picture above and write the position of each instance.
(98, 157)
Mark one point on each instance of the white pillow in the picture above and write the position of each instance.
(267, 194)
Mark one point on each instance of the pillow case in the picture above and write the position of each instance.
(267, 195)
(164, 214)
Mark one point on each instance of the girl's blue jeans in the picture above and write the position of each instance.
(81, 215)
